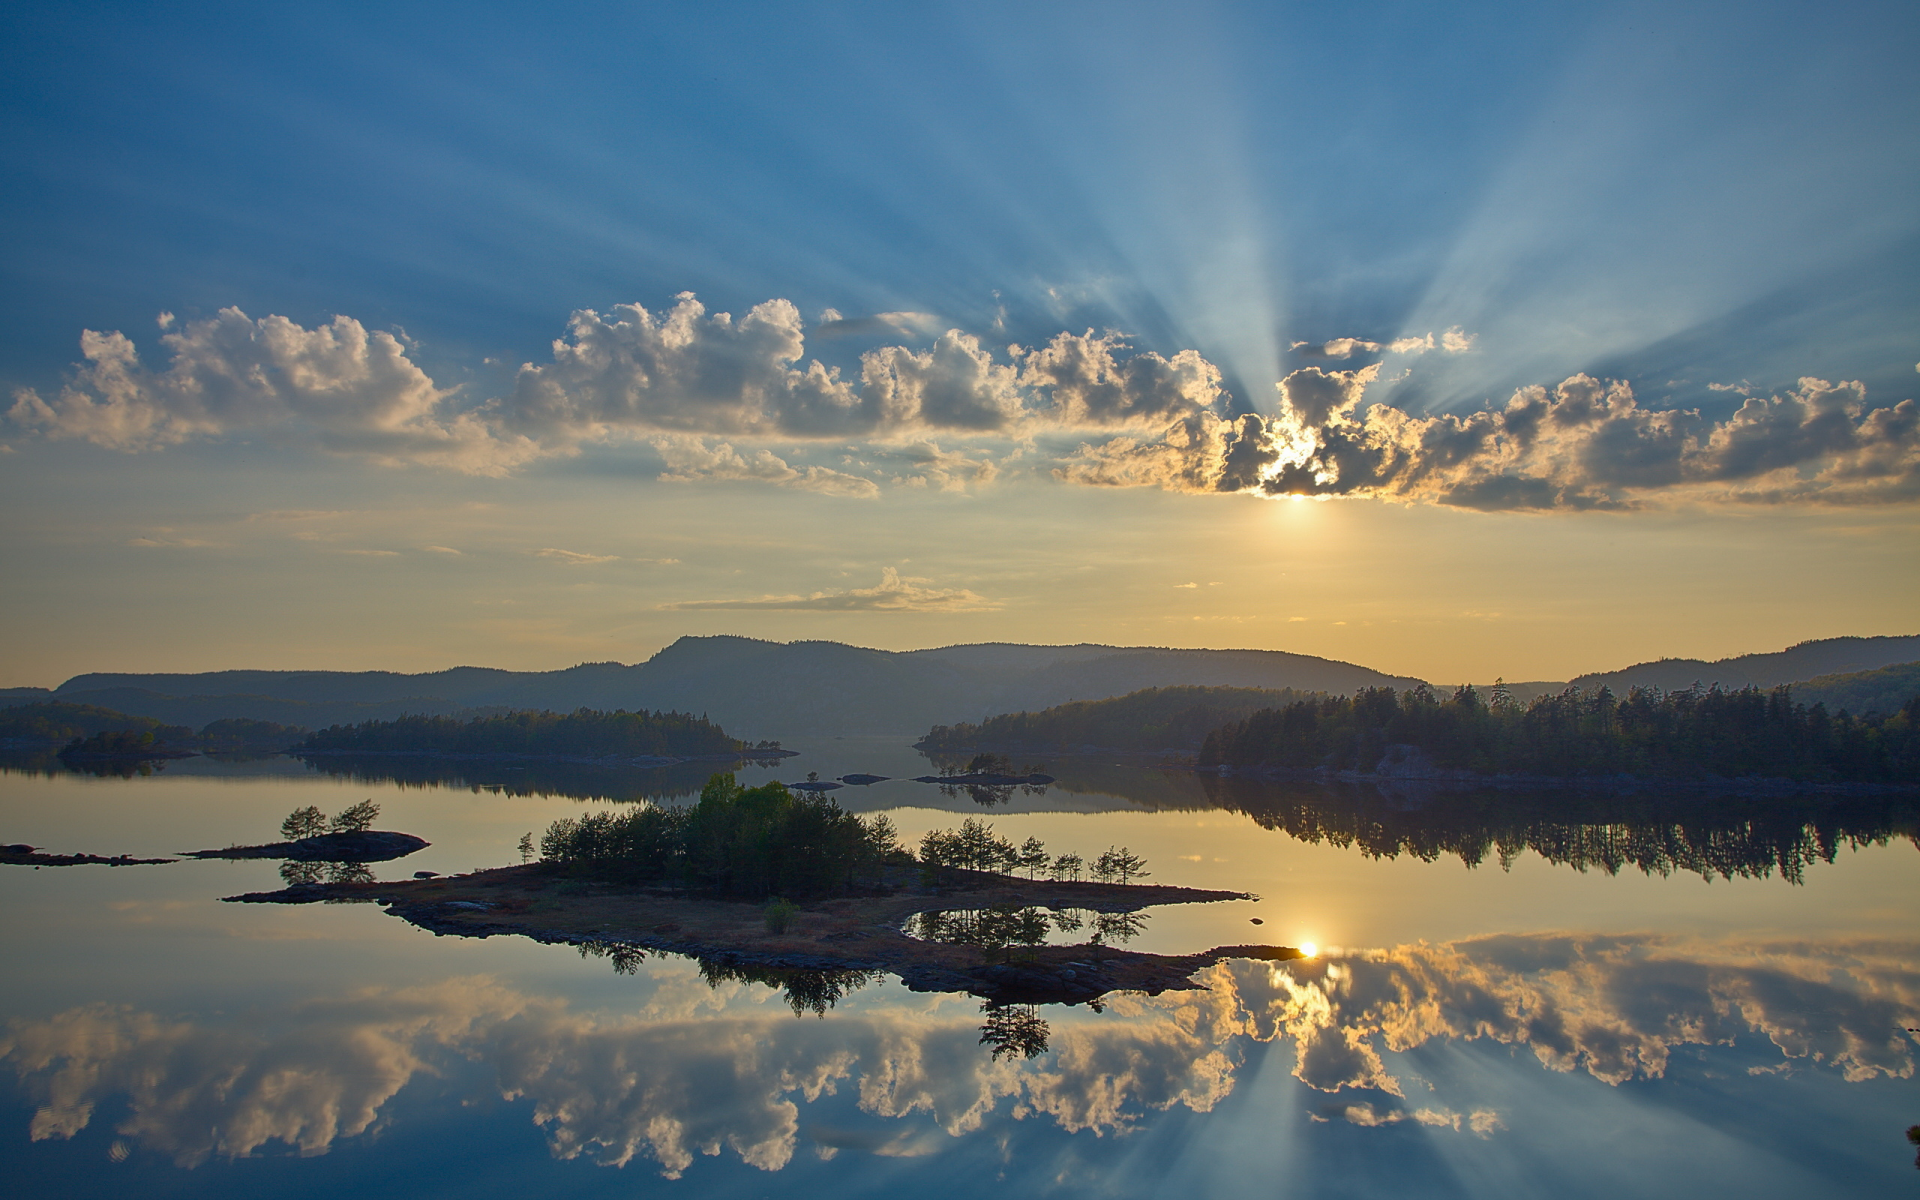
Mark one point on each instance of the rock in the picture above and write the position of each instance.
(863, 780)
(467, 905)
(19, 848)
(1255, 921)
(426, 874)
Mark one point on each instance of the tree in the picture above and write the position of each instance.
(1118, 866)
(1127, 865)
(303, 823)
(526, 847)
(358, 818)
(1033, 856)
(1068, 866)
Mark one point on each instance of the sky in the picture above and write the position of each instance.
(1457, 341)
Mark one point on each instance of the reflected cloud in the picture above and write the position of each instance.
(701, 1070)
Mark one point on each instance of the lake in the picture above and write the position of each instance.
(1513, 995)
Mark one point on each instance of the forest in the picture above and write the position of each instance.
(750, 843)
(1176, 718)
(768, 841)
(1696, 733)
(586, 733)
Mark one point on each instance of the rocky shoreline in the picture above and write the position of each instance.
(22, 855)
(858, 933)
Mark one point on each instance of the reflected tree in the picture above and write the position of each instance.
(1117, 928)
(804, 991)
(1013, 1030)
(302, 874)
(625, 957)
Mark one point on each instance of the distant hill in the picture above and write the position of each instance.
(757, 689)
(1806, 661)
(1863, 692)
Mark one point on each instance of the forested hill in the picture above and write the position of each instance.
(1677, 735)
(1863, 693)
(1805, 661)
(756, 688)
(581, 734)
(1168, 718)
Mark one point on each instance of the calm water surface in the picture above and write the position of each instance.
(1514, 996)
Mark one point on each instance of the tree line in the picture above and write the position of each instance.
(1149, 719)
(585, 732)
(1694, 733)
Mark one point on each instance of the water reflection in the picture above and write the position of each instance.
(297, 873)
(1659, 832)
(1012, 1030)
(709, 1070)
(575, 780)
(49, 764)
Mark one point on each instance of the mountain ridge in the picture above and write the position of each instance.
(760, 688)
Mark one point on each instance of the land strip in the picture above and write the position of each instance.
(853, 933)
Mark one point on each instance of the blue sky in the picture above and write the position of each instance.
(1702, 203)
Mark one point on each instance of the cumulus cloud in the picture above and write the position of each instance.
(894, 593)
(1582, 445)
(710, 392)
(925, 464)
(355, 390)
(692, 459)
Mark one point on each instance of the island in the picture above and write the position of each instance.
(844, 934)
(711, 881)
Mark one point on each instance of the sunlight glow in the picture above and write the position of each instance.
(1308, 949)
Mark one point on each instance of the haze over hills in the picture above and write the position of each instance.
(753, 688)
(1805, 661)
(761, 689)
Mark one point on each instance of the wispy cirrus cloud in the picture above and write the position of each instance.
(1452, 341)
(894, 593)
(574, 558)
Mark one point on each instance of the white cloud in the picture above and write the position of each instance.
(699, 1070)
(692, 459)
(1584, 444)
(901, 324)
(1453, 341)
(571, 558)
(894, 593)
(710, 393)
(355, 392)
